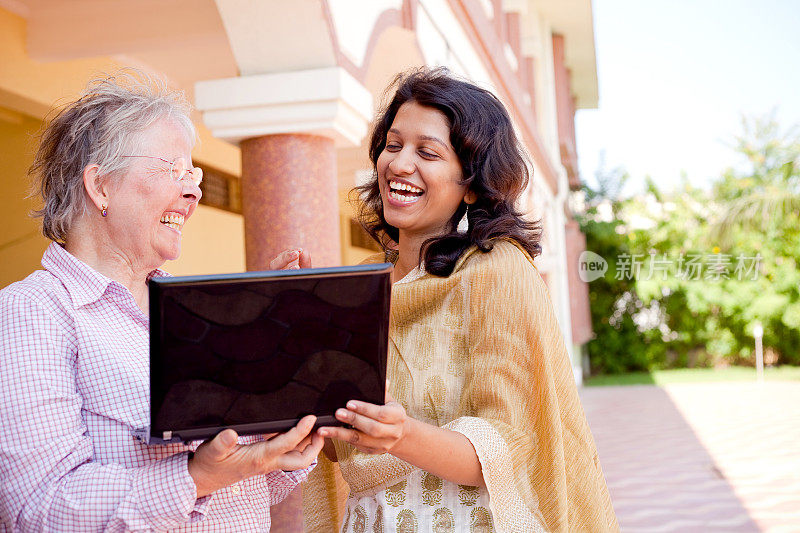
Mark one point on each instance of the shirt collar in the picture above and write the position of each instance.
(84, 284)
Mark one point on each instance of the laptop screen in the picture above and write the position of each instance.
(257, 351)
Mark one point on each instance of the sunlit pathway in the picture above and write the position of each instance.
(700, 457)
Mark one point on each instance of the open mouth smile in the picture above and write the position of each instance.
(404, 193)
(173, 220)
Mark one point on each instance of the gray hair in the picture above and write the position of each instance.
(106, 122)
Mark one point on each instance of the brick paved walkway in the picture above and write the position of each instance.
(700, 457)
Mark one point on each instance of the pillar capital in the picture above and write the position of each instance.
(325, 101)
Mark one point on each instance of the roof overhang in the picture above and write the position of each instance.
(573, 19)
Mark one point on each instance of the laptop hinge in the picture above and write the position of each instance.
(143, 434)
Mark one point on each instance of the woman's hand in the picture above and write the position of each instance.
(375, 428)
(291, 259)
(388, 429)
(220, 461)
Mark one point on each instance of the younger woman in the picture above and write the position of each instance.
(487, 432)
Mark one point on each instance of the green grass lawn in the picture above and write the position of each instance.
(695, 375)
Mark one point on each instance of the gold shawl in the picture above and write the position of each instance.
(480, 352)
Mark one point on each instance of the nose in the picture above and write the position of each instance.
(191, 192)
(402, 164)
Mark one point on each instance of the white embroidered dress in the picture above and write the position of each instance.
(420, 501)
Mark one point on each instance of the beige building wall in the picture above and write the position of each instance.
(21, 241)
(39, 69)
(213, 239)
(213, 243)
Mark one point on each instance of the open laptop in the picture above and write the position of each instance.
(257, 351)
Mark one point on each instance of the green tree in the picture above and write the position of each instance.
(763, 192)
(618, 345)
(741, 234)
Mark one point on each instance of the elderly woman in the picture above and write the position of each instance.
(114, 171)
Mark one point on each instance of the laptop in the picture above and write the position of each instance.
(255, 352)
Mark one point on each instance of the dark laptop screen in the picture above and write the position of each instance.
(259, 352)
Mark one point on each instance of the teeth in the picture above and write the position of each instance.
(403, 198)
(404, 187)
(173, 220)
(172, 225)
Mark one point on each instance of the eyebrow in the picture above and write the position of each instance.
(424, 138)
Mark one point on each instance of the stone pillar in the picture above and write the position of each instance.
(289, 198)
(288, 126)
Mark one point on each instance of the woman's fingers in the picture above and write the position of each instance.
(272, 454)
(384, 423)
(315, 446)
(218, 448)
(363, 423)
(390, 413)
(220, 461)
(367, 409)
(361, 441)
(292, 438)
(304, 260)
(292, 258)
(374, 428)
(210, 465)
(344, 434)
(305, 442)
(302, 457)
(387, 397)
(286, 260)
(331, 432)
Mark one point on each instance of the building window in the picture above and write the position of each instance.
(221, 190)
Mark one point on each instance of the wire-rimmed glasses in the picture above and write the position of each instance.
(179, 169)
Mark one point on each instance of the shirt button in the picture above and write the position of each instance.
(236, 489)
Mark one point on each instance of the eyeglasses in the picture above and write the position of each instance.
(179, 169)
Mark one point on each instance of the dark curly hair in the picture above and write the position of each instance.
(493, 166)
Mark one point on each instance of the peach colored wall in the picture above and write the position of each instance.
(213, 243)
(578, 289)
(21, 241)
(565, 110)
(213, 240)
(33, 87)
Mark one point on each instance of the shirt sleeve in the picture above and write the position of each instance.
(48, 479)
(273, 487)
(282, 483)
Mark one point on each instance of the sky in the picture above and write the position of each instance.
(676, 76)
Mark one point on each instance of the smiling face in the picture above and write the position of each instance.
(147, 208)
(419, 173)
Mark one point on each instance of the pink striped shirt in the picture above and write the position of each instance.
(74, 383)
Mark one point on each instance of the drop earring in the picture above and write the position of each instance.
(104, 210)
(463, 224)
